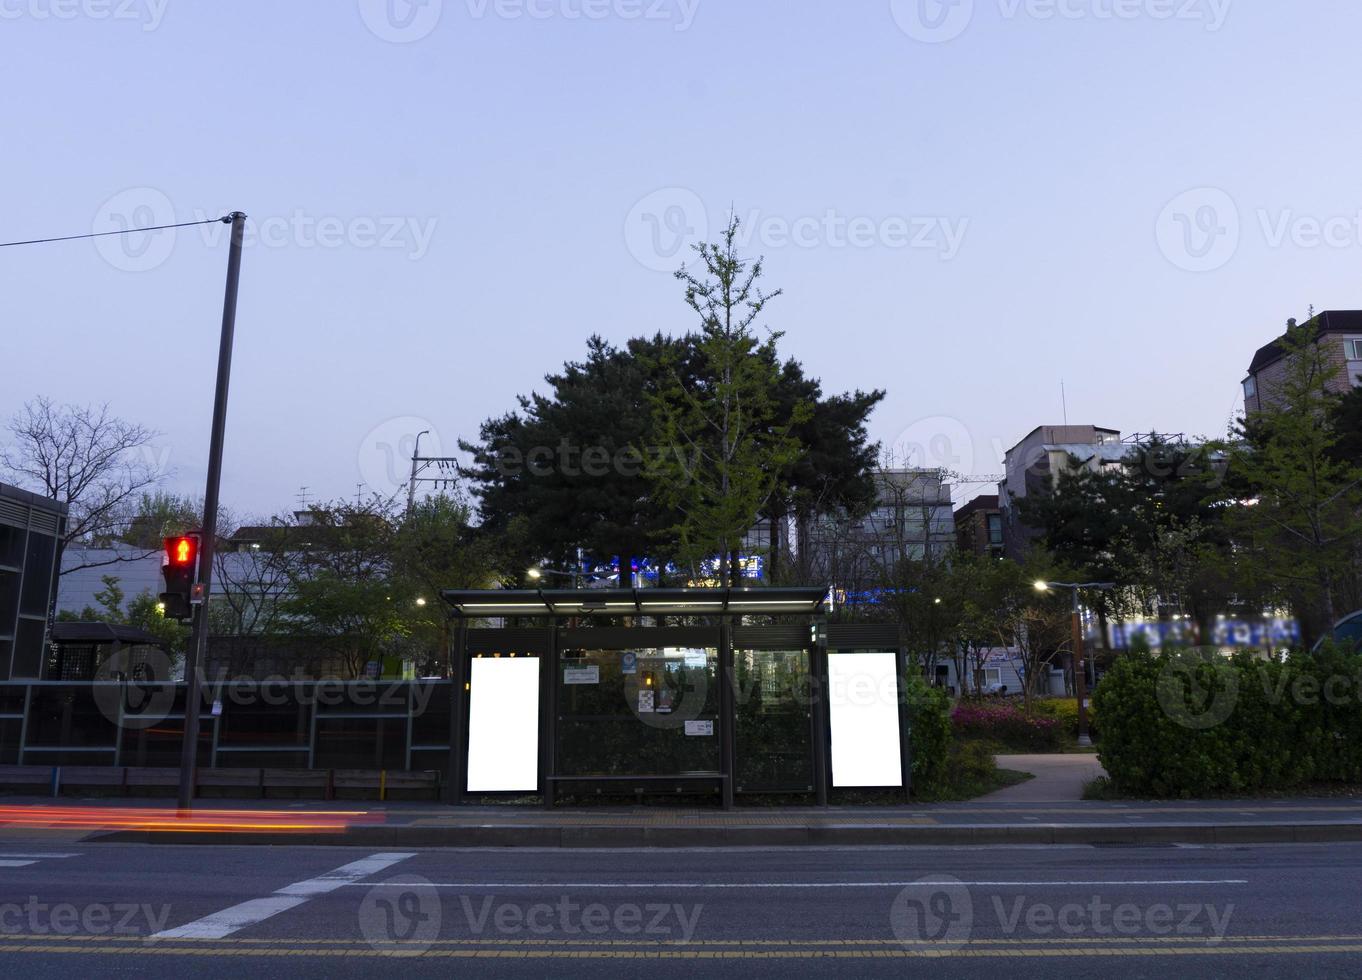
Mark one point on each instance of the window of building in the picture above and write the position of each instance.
(1353, 348)
(1250, 388)
(995, 528)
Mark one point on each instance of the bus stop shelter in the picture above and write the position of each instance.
(725, 691)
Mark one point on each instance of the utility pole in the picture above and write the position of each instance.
(1080, 669)
(415, 455)
(198, 643)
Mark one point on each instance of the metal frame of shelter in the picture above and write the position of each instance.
(568, 619)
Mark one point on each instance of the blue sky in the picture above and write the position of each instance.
(964, 204)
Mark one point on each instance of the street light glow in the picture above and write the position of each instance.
(1042, 586)
(535, 573)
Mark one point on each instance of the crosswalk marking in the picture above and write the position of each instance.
(30, 854)
(239, 916)
(16, 859)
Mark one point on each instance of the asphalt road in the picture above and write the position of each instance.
(147, 910)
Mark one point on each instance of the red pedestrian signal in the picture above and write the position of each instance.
(183, 550)
(180, 566)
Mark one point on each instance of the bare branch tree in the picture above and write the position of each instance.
(88, 459)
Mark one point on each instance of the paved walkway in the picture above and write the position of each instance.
(1059, 778)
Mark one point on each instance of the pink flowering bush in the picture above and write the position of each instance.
(1008, 725)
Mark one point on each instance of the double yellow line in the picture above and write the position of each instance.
(767, 949)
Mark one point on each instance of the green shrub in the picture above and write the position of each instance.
(929, 720)
(1183, 725)
(973, 761)
(1065, 711)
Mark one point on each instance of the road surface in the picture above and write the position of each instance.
(83, 909)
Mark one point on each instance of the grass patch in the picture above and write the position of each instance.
(963, 790)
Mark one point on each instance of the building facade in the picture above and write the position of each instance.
(979, 527)
(30, 528)
(1035, 465)
(1338, 332)
(912, 520)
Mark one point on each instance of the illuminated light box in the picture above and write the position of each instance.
(503, 725)
(864, 718)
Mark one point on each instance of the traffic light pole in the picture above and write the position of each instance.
(198, 643)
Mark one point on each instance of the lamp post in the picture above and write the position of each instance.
(1080, 671)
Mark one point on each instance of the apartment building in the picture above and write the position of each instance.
(1338, 332)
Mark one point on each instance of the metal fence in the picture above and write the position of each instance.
(388, 725)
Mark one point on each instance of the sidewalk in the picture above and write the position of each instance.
(1059, 778)
(423, 825)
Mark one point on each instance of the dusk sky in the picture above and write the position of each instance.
(965, 205)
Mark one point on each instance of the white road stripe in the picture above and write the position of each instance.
(16, 864)
(492, 885)
(230, 920)
(35, 856)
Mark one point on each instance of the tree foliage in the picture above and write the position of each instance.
(1298, 524)
(674, 447)
(733, 446)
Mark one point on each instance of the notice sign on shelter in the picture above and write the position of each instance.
(645, 702)
(699, 728)
(582, 675)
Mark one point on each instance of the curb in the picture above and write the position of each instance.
(824, 835)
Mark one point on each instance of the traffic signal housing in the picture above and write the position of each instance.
(180, 568)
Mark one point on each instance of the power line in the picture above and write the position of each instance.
(127, 231)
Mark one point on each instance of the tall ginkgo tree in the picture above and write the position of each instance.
(733, 440)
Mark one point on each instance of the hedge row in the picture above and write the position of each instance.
(1184, 726)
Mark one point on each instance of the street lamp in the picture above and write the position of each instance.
(1080, 672)
(539, 572)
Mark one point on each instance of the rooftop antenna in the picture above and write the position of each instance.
(1064, 401)
(302, 497)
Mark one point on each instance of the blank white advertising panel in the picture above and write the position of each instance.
(503, 725)
(864, 714)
